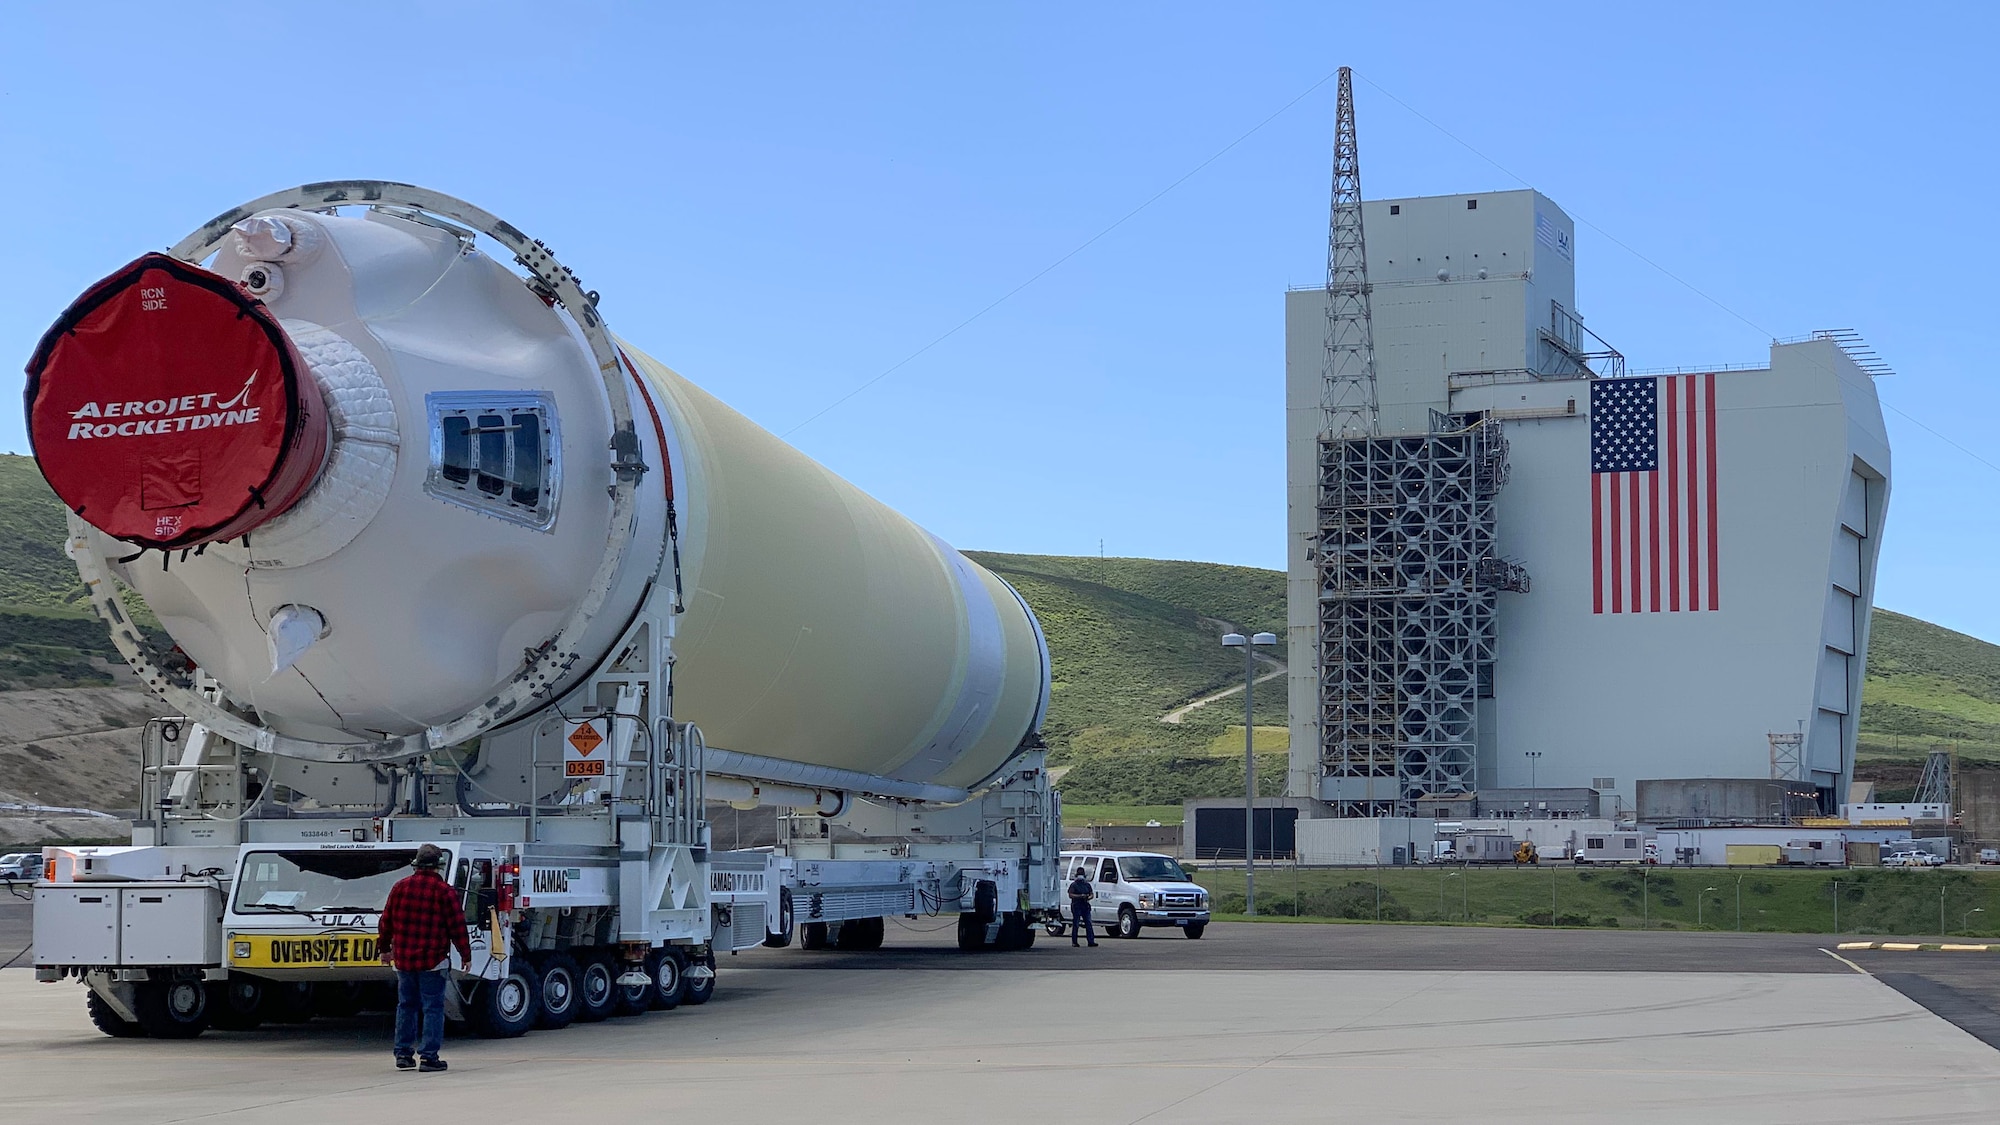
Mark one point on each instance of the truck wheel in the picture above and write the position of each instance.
(1128, 923)
(288, 1001)
(1195, 929)
(236, 1004)
(561, 986)
(631, 999)
(666, 966)
(108, 1021)
(700, 989)
(1015, 932)
(337, 999)
(971, 932)
(783, 937)
(812, 935)
(861, 934)
(172, 1009)
(596, 989)
(508, 1007)
(377, 996)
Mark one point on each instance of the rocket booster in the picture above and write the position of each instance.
(391, 494)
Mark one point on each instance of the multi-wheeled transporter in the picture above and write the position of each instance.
(441, 560)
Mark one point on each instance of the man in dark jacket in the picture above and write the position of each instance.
(422, 923)
(1080, 892)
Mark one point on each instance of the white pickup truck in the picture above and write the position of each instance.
(1135, 890)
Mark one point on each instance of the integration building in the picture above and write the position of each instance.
(1547, 570)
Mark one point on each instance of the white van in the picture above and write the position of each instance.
(1134, 890)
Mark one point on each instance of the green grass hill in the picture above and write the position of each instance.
(1130, 640)
(1928, 686)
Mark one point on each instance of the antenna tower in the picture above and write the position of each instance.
(1347, 395)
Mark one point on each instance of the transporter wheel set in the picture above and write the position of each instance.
(536, 992)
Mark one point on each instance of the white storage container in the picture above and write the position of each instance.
(171, 925)
(76, 925)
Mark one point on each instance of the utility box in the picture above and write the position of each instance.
(80, 920)
(1864, 853)
(1753, 855)
(1476, 847)
(170, 925)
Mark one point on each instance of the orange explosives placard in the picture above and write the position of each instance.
(580, 744)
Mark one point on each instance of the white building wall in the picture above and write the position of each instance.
(1803, 473)
(1693, 694)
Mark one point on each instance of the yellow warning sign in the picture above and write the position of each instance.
(580, 743)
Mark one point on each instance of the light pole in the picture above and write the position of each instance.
(1739, 904)
(1533, 756)
(1447, 875)
(1249, 646)
(1965, 923)
(1705, 892)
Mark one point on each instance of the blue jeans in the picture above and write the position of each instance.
(1079, 916)
(419, 994)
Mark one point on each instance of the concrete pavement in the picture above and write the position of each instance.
(1142, 1045)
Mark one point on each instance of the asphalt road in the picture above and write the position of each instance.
(931, 943)
(1963, 988)
(960, 1041)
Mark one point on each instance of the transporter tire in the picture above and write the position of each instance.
(506, 1008)
(1128, 923)
(596, 989)
(108, 1021)
(786, 923)
(288, 1001)
(971, 933)
(861, 934)
(172, 1009)
(986, 900)
(668, 968)
(812, 935)
(700, 990)
(1015, 932)
(236, 1004)
(562, 988)
(1194, 930)
(337, 999)
(632, 999)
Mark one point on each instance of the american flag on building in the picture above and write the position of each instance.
(1653, 538)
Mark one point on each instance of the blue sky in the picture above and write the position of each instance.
(785, 201)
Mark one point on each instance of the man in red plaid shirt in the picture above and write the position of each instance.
(421, 923)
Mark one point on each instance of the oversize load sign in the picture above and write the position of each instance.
(584, 748)
(323, 951)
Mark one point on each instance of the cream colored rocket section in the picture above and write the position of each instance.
(823, 627)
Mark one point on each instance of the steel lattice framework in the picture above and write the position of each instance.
(1407, 582)
(1347, 392)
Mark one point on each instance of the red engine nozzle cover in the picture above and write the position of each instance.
(168, 408)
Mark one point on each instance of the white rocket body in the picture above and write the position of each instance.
(463, 508)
